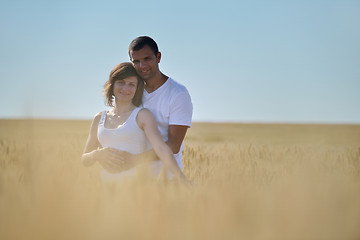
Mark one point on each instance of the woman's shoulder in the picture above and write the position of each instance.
(144, 115)
(97, 117)
(145, 119)
(144, 111)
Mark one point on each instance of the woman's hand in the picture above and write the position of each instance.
(109, 159)
(113, 160)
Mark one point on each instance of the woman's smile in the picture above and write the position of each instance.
(125, 89)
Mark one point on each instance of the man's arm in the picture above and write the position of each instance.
(176, 135)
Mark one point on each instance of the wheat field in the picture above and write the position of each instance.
(251, 181)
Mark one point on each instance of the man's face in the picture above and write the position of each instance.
(145, 62)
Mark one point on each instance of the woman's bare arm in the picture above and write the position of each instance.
(147, 122)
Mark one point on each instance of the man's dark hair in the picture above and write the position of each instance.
(140, 42)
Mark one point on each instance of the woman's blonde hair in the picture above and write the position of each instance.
(119, 72)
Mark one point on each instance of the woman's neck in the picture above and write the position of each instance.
(123, 107)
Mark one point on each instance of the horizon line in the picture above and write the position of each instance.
(194, 121)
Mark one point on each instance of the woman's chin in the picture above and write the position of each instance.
(123, 100)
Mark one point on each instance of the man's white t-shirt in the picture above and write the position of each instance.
(171, 105)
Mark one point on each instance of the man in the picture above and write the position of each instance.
(168, 100)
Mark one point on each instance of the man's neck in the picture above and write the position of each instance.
(154, 83)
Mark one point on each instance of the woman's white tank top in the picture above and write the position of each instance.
(126, 137)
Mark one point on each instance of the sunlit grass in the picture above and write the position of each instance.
(250, 182)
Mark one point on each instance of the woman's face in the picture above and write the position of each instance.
(125, 89)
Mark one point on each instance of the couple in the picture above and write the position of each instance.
(149, 119)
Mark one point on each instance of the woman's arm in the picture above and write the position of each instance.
(108, 158)
(146, 121)
(92, 143)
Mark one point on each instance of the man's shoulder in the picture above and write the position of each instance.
(176, 86)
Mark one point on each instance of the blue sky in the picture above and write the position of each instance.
(242, 61)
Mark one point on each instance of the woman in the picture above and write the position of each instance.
(125, 127)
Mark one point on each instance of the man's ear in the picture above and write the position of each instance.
(158, 57)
